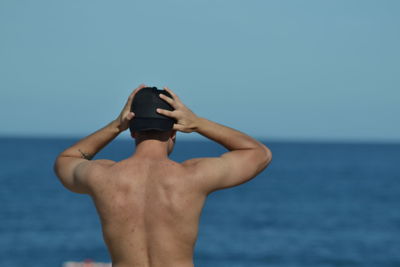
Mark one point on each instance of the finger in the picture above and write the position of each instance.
(174, 96)
(165, 112)
(141, 86)
(168, 100)
(130, 116)
(178, 127)
(132, 95)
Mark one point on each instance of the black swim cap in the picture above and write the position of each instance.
(144, 105)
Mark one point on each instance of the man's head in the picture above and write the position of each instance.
(147, 123)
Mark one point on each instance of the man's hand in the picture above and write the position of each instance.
(126, 115)
(186, 120)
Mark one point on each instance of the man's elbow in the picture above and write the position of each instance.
(265, 156)
(59, 165)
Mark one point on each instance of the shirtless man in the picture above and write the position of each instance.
(149, 205)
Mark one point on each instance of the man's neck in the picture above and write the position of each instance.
(152, 148)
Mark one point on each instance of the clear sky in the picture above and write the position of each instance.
(315, 70)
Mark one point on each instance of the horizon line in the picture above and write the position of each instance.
(197, 137)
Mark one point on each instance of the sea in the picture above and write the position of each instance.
(317, 204)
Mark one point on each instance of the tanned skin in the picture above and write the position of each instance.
(149, 205)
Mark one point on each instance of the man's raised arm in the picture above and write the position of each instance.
(73, 165)
(246, 157)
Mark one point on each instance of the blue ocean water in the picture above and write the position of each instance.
(318, 204)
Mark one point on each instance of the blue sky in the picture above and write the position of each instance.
(287, 70)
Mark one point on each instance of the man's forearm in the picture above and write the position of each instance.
(230, 138)
(89, 146)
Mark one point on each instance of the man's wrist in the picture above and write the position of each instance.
(115, 126)
(198, 125)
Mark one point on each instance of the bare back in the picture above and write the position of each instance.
(149, 211)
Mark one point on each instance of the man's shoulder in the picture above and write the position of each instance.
(190, 163)
(199, 164)
(197, 161)
(99, 165)
(104, 162)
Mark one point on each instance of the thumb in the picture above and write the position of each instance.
(130, 116)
